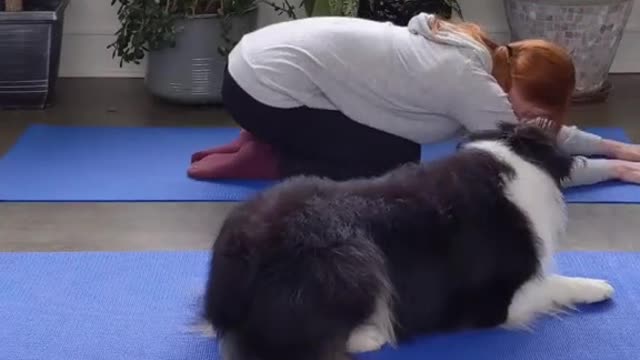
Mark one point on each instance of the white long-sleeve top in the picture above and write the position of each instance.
(410, 81)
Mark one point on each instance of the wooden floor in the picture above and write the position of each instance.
(173, 226)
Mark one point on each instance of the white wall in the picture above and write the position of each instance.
(90, 24)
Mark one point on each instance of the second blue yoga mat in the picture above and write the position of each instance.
(51, 163)
(141, 306)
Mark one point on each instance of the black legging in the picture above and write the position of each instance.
(318, 142)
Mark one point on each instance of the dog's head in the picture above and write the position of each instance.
(534, 142)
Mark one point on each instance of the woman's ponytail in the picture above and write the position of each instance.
(502, 56)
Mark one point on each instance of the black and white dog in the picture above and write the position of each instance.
(314, 269)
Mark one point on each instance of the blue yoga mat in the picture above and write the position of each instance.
(114, 306)
(51, 163)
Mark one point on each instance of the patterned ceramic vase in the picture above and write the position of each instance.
(590, 29)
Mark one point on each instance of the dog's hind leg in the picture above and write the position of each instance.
(554, 294)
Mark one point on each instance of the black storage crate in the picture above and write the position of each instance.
(30, 43)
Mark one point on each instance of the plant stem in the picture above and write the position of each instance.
(209, 5)
(287, 8)
(194, 7)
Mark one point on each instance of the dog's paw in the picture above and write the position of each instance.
(204, 329)
(588, 291)
(365, 339)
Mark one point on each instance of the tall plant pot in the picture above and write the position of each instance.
(191, 73)
(590, 30)
(30, 42)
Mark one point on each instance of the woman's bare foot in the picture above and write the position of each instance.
(254, 160)
(224, 149)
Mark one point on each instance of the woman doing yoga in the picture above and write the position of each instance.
(345, 97)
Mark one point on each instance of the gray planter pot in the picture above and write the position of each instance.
(590, 30)
(191, 73)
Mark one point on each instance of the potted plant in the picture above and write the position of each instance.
(30, 41)
(590, 30)
(399, 12)
(331, 7)
(316, 7)
(185, 42)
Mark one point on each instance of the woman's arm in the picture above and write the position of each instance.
(587, 171)
(621, 151)
(579, 142)
(591, 171)
(623, 161)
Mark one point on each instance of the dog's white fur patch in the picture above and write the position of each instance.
(376, 331)
(204, 329)
(554, 294)
(538, 197)
(365, 338)
(535, 193)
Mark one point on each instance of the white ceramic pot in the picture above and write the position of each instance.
(191, 73)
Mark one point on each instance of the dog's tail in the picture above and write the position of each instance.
(301, 299)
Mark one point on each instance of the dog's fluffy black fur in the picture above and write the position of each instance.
(299, 267)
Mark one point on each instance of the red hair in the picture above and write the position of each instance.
(542, 71)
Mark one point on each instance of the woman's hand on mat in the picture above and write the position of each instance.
(622, 151)
(627, 171)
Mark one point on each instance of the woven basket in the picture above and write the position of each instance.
(30, 46)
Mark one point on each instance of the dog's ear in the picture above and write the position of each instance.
(502, 132)
(507, 127)
(537, 142)
(532, 136)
